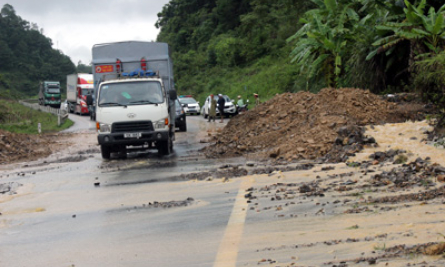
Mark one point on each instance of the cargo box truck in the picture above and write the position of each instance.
(134, 97)
(78, 87)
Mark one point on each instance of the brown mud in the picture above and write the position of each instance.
(303, 125)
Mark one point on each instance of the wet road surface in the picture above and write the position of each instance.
(132, 212)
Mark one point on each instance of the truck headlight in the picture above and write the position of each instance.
(161, 124)
(103, 127)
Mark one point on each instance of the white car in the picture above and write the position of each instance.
(191, 106)
(229, 107)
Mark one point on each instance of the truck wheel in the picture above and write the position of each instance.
(105, 151)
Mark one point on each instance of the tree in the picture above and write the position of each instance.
(322, 41)
(27, 56)
(82, 68)
(424, 32)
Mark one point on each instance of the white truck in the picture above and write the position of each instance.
(78, 87)
(134, 97)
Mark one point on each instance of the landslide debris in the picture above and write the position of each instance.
(16, 147)
(303, 125)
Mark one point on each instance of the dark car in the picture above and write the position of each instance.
(180, 120)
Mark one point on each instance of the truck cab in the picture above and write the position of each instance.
(78, 87)
(49, 94)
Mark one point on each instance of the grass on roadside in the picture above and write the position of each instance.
(17, 118)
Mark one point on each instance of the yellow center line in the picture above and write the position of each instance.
(228, 249)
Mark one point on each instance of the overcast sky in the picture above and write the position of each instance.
(75, 26)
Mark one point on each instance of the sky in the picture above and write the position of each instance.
(74, 26)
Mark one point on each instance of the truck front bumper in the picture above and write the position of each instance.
(139, 138)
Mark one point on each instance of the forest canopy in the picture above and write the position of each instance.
(27, 57)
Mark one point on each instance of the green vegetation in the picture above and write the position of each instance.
(241, 47)
(27, 56)
(269, 47)
(15, 117)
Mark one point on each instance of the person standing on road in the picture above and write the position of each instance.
(221, 104)
(212, 111)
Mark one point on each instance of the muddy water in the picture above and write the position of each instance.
(409, 136)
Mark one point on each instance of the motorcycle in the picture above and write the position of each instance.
(243, 108)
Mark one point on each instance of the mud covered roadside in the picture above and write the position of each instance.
(381, 204)
(384, 206)
(55, 147)
(296, 126)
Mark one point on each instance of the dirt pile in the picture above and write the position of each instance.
(295, 126)
(16, 147)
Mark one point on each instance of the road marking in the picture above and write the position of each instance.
(228, 248)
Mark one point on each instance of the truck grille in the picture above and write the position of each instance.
(135, 126)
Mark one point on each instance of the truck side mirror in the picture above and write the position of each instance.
(173, 95)
(89, 100)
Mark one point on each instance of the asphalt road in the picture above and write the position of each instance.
(133, 212)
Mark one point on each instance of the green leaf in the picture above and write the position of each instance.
(372, 54)
(331, 5)
(439, 24)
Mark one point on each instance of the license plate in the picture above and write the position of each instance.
(132, 135)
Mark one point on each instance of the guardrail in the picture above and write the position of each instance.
(62, 115)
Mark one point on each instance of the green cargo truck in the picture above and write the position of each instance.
(49, 94)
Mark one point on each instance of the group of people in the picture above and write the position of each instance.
(222, 102)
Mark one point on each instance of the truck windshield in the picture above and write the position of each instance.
(130, 93)
(53, 90)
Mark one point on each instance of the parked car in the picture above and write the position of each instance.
(229, 107)
(180, 120)
(191, 106)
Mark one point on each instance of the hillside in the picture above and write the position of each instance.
(27, 57)
(269, 47)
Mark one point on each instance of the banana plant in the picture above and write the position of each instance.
(416, 27)
(321, 42)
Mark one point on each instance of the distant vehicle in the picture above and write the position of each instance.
(49, 94)
(180, 120)
(229, 108)
(192, 106)
(134, 97)
(78, 87)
